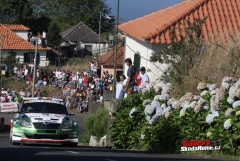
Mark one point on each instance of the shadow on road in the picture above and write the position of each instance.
(5, 129)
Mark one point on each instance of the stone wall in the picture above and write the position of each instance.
(110, 104)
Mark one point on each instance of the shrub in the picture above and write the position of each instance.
(96, 125)
(151, 120)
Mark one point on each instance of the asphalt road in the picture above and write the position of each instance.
(38, 152)
(10, 152)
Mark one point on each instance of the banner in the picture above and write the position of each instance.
(8, 107)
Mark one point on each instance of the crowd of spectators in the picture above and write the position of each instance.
(40, 39)
(76, 86)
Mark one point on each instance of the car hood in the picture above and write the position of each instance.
(45, 117)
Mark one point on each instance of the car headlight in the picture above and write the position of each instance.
(67, 125)
(26, 123)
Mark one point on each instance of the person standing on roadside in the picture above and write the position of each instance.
(130, 76)
(123, 90)
(47, 63)
(6, 71)
(144, 76)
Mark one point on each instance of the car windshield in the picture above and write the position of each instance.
(43, 107)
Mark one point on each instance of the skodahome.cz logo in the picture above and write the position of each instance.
(196, 145)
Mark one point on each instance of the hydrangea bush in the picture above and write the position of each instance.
(152, 120)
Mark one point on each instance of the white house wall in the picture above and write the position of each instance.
(20, 55)
(95, 47)
(22, 34)
(132, 46)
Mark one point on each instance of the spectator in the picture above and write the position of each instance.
(144, 76)
(100, 86)
(50, 78)
(68, 102)
(99, 71)
(7, 71)
(80, 82)
(100, 100)
(29, 79)
(123, 90)
(47, 63)
(44, 35)
(22, 93)
(85, 81)
(130, 76)
(25, 74)
(39, 83)
(15, 70)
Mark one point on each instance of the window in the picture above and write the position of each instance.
(29, 57)
(137, 59)
(88, 50)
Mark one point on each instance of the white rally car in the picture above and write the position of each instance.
(43, 120)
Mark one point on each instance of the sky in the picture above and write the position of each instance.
(132, 9)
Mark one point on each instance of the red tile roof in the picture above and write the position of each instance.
(107, 59)
(16, 27)
(12, 41)
(223, 18)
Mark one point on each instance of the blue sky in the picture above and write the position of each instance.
(132, 9)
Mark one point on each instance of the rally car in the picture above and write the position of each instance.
(43, 120)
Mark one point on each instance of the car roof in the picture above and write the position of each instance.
(42, 98)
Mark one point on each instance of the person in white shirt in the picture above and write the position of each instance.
(85, 72)
(15, 69)
(92, 67)
(44, 35)
(144, 76)
(22, 93)
(124, 83)
(80, 82)
(25, 73)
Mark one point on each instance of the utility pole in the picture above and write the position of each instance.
(35, 64)
(100, 25)
(115, 53)
(2, 36)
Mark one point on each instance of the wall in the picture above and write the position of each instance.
(20, 54)
(145, 50)
(95, 47)
(22, 34)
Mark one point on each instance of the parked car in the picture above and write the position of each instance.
(43, 120)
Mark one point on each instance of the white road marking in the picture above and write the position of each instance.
(109, 160)
(74, 152)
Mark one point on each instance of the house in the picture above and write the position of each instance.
(106, 61)
(80, 40)
(151, 33)
(13, 41)
(18, 29)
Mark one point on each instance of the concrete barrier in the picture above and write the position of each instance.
(93, 106)
(107, 95)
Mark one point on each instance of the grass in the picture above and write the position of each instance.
(72, 64)
(214, 63)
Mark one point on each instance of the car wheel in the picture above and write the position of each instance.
(12, 141)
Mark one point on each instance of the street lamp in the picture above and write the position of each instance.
(115, 53)
(35, 64)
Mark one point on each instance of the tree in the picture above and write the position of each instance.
(15, 11)
(54, 38)
(183, 54)
(69, 13)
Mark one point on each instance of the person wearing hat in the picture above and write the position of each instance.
(144, 76)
